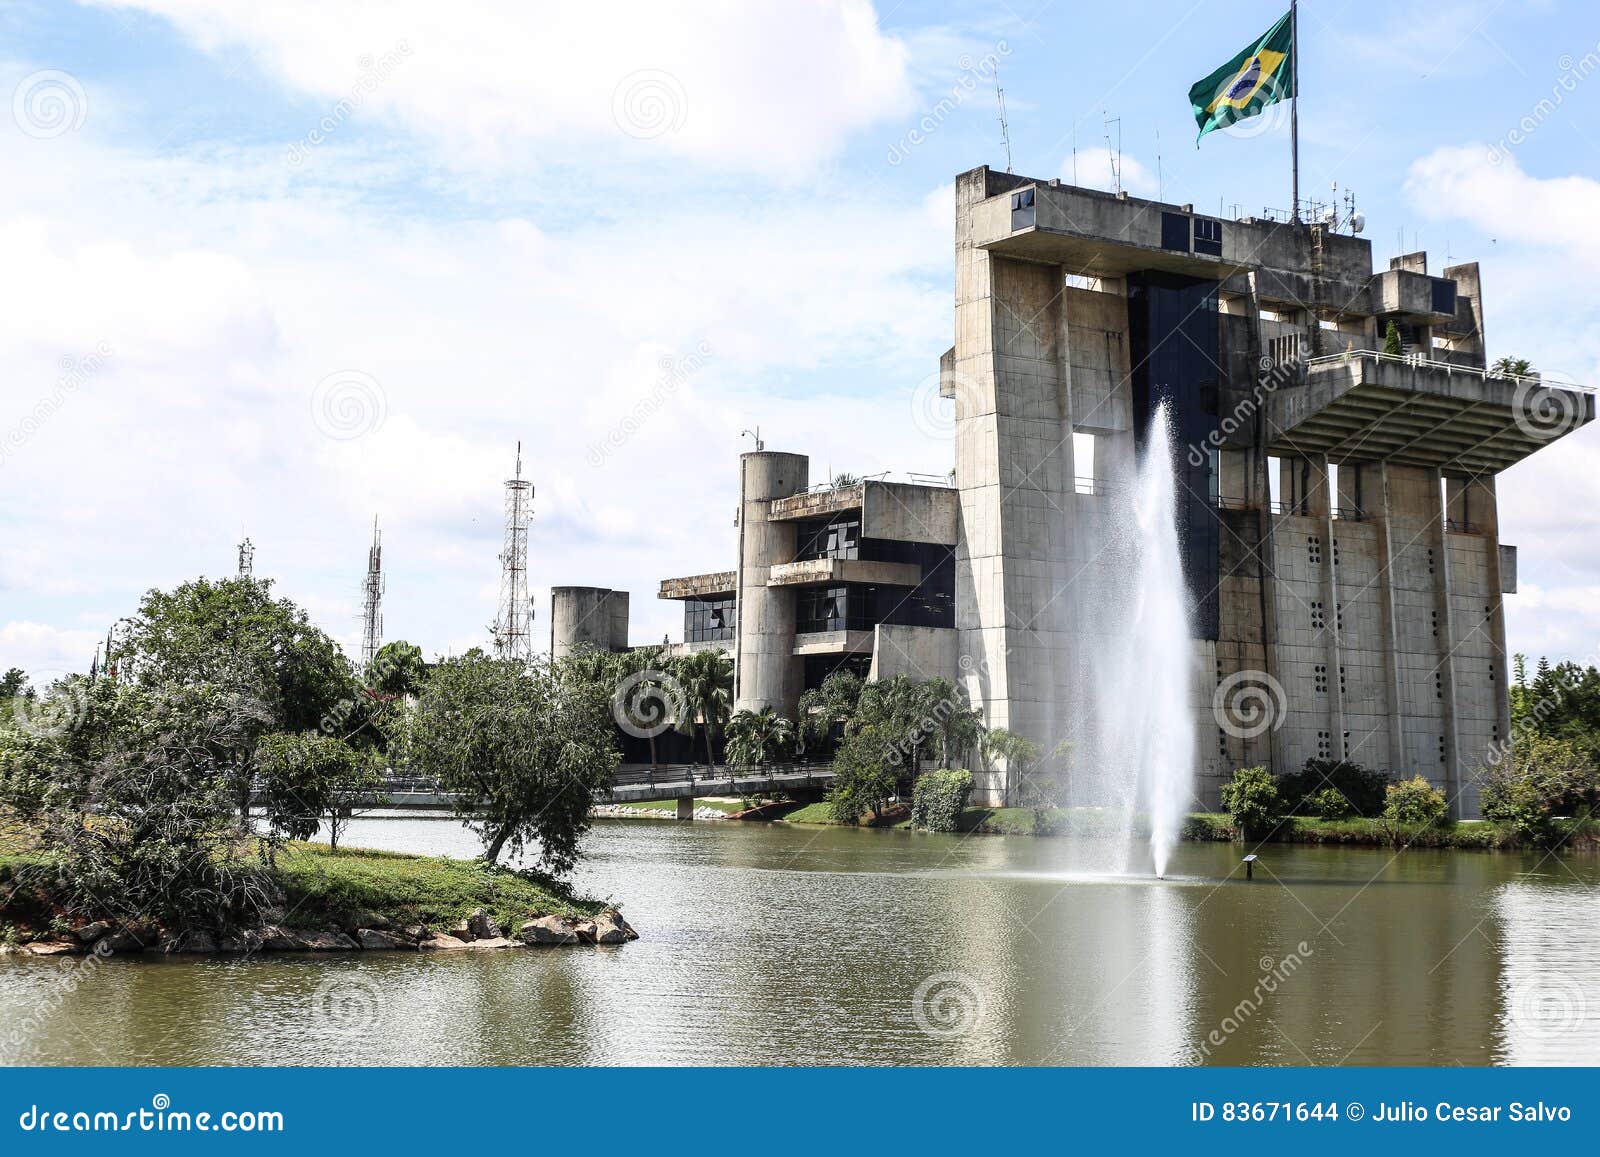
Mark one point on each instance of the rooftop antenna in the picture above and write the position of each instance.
(1160, 183)
(513, 635)
(1074, 152)
(372, 599)
(247, 559)
(1005, 130)
(1115, 157)
(756, 434)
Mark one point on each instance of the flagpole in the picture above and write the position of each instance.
(1294, 110)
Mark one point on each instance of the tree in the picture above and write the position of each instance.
(397, 669)
(309, 778)
(1361, 788)
(1391, 340)
(827, 707)
(1510, 367)
(757, 737)
(865, 771)
(14, 683)
(234, 636)
(705, 679)
(137, 811)
(1413, 801)
(523, 750)
(1546, 778)
(1017, 752)
(1252, 801)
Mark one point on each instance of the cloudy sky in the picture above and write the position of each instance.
(276, 269)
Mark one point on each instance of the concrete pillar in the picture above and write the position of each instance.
(587, 617)
(766, 671)
(685, 808)
(1014, 467)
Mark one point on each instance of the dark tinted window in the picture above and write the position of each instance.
(1175, 232)
(1208, 236)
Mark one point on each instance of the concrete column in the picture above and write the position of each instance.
(767, 672)
(685, 808)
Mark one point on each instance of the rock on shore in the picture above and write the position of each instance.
(362, 931)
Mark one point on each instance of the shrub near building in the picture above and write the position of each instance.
(938, 799)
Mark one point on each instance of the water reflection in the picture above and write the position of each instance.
(795, 945)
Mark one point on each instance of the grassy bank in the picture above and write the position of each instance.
(1218, 827)
(319, 888)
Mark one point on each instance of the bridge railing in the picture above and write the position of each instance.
(721, 775)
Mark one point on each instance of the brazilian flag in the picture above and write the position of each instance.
(1260, 75)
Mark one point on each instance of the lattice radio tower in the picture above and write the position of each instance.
(247, 559)
(513, 624)
(372, 600)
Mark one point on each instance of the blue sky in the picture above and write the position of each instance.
(279, 268)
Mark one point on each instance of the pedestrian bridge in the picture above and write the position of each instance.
(639, 782)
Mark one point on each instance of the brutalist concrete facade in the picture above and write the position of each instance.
(1338, 514)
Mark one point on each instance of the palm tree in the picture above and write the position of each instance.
(822, 707)
(845, 481)
(1017, 751)
(756, 737)
(1509, 367)
(706, 680)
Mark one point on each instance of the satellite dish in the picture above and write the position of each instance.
(1358, 222)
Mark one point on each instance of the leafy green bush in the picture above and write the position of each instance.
(1252, 800)
(938, 798)
(1361, 787)
(1414, 801)
(1518, 805)
(1328, 804)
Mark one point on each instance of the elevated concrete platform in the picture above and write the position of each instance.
(698, 585)
(825, 571)
(833, 643)
(1368, 406)
(900, 511)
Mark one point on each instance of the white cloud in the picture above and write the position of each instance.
(738, 86)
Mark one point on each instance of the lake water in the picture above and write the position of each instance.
(770, 944)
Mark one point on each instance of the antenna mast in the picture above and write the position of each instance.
(372, 599)
(247, 559)
(513, 637)
(1113, 155)
(1005, 130)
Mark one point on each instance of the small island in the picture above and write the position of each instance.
(167, 799)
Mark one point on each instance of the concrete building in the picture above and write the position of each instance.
(1338, 518)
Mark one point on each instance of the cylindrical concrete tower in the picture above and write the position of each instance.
(767, 672)
(587, 617)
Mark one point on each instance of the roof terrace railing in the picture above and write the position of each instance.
(1449, 368)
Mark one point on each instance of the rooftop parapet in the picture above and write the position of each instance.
(1101, 234)
(899, 511)
(1370, 406)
